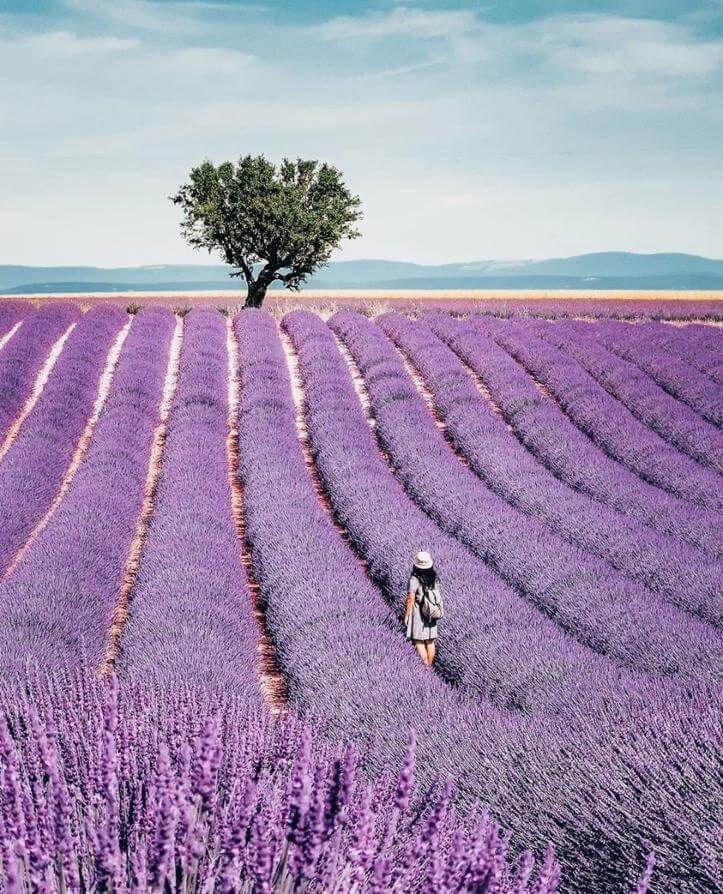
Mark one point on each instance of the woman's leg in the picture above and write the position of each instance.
(421, 646)
(431, 651)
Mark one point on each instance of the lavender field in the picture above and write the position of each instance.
(207, 523)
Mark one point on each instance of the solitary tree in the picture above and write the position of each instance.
(271, 224)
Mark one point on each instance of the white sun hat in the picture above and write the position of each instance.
(423, 560)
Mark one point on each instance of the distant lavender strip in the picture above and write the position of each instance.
(689, 345)
(570, 455)
(59, 602)
(611, 425)
(495, 643)
(32, 470)
(544, 308)
(341, 650)
(675, 375)
(190, 615)
(584, 595)
(674, 421)
(683, 575)
(23, 356)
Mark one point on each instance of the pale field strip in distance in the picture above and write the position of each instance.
(81, 450)
(396, 294)
(40, 381)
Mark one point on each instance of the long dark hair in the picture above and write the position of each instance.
(426, 576)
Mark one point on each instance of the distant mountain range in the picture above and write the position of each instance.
(602, 270)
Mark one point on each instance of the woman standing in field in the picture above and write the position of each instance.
(423, 608)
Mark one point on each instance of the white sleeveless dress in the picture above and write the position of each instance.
(417, 627)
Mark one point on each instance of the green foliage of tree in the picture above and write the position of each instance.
(271, 224)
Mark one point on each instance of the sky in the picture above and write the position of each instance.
(515, 129)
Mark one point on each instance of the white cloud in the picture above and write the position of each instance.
(173, 16)
(615, 45)
(65, 43)
(208, 60)
(401, 21)
(587, 44)
(135, 14)
(400, 70)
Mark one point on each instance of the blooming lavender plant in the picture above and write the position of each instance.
(603, 609)
(606, 421)
(11, 312)
(709, 337)
(190, 615)
(552, 437)
(674, 421)
(123, 831)
(683, 575)
(60, 600)
(32, 470)
(23, 356)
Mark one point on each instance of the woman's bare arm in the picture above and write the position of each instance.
(408, 607)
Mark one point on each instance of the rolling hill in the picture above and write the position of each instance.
(601, 270)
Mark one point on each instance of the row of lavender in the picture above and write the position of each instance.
(486, 438)
(516, 759)
(512, 308)
(59, 603)
(285, 578)
(604, 609)
(560, 307)
(537, 418)
(191, 615)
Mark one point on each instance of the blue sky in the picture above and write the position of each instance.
(470, 130)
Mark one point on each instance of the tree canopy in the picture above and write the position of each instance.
(273, 224)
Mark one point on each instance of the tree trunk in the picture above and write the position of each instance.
(255, 294)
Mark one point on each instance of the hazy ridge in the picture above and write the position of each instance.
(601, 270)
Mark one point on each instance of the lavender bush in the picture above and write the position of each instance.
(189, 790)
(23, 356)
(33, 469)
(675, 375)
(607, 421)
(190, 615)
(11, 313)
(588, 599)
(683, 575)
(551, 436)
(687, 345)
(709, 337)
(674, 421)
(60, 600)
